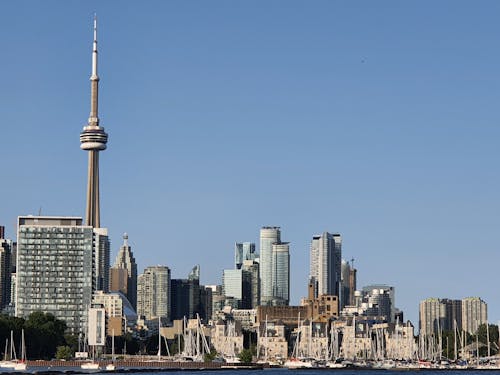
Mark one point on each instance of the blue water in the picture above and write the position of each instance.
(319, 372)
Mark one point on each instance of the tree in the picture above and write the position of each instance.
(245, 356)
(209, 357)
(483, 338)
(64, 352)
(44, 333)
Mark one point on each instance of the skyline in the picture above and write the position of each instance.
(209, 100)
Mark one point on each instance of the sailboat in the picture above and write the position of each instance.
(10, 362)
(111, 366)
(22, 365)
(93, 365)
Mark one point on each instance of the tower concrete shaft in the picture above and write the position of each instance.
(93, 139)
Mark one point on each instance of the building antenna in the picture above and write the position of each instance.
(352, 263)
(40, 211)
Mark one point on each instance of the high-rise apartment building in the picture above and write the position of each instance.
(243, 251)
(281, 274)
(274, 260)
(101, 259)
(55, 269)
(453, 313)
(5, 269)
(447, 314)
(474, 313)
(431, 316)
(153, 293)
(124, 273)
(326, 263)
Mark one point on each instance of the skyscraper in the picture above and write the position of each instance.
(5, 269)
(124, 273)
(232, 285)
(153, 293)
(101, 259)
(251, 268)
(93, 139)
(474, 313)
(268, 236)
(54, 269)
(281, 274)
(326, 263)
(440, 315)
(243, 251)
(186, 296)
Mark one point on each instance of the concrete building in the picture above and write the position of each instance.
(313, 339)
(55, 269)
(322, 308)
(227, 338)
(154, 293)
(442, 314)
(288, 315)
(118, 310)
(124, 273)
(381, 298)
(326, 263)
(474, 313)
(272, 344)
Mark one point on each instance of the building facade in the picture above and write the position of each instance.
(447, 314)
(154, 293)
(251, 268)
(5, 269)
(188, 297)
(268, 236)
(124, 273)
(55, 269)
(384, 296)
(326, 263)
(281, 274)
(474, 313)
(243, 251)
(101, 259)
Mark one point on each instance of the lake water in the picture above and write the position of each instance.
(316, 372)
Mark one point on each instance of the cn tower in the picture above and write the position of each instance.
(93, 139)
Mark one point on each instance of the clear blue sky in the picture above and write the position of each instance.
(378, 120)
